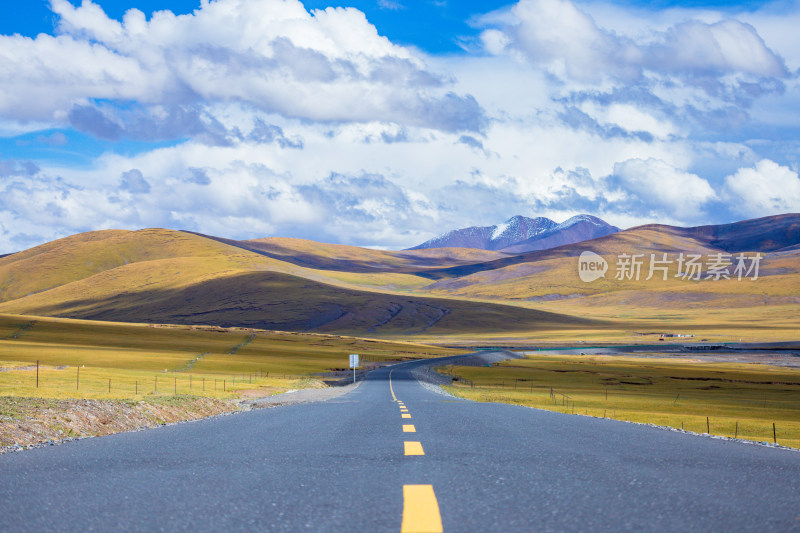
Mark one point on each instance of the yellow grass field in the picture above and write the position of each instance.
(741, 400)
(96, 360)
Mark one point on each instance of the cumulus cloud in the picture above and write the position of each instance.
(556, 33)
(656, 184)
(729, 46)
(765, 189)
(273, 55)
(566, 40)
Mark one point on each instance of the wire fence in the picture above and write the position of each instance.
(83, 382)
(684, 411)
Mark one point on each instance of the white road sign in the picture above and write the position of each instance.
(353, 360)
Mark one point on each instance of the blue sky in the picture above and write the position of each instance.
(436, 26)
(382, 123)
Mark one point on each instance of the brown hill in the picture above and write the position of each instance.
(272, 300)
(766, 234)
(176, 277)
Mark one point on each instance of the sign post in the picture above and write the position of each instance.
(354, 364)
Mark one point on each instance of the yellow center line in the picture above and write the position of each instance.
(420, 510)
(405, 415)
(413, 448)
(409, 428)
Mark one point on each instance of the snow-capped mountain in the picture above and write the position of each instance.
(521, 234)
(576, 229)
(513, 230)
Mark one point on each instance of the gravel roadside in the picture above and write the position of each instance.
(27, 423)
(297, 396)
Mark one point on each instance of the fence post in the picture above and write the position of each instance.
(708, 427)
(736, 432)
(774, 434)
(109, 384)
(37, 373)
(156, 384)
(175, 390)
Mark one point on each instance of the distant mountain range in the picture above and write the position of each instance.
(521, 234)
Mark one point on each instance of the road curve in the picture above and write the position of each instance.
(393, 456)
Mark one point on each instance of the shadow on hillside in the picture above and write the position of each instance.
(274, 301)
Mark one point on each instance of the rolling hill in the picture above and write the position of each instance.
(176, 277)
(166, 276)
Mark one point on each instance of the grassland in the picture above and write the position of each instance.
(81, 359)
(477, 297)
(741, 400)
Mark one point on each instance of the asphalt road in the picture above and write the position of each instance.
(341, 465)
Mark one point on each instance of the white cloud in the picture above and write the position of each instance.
(656, 183)
(765, 189)
(357, 188)
(44, 77)
(728, 46)
(327, 65)
(556, 33)
(568, 41)
(777, 22)
(631, 118)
